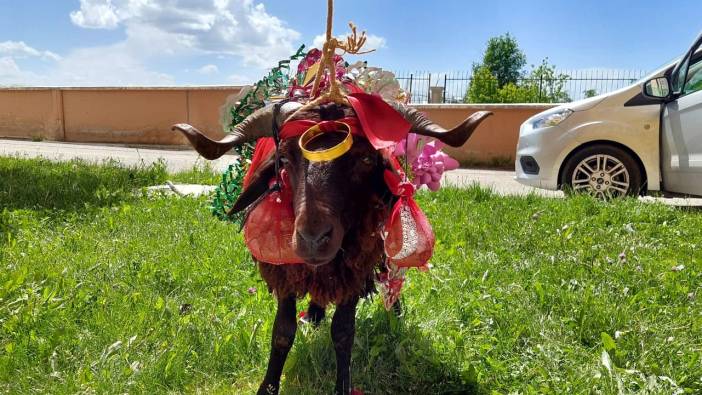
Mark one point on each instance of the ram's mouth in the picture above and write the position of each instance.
(316, 262)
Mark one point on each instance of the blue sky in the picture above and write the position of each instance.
(221, 42)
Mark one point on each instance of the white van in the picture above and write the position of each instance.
(646, 137)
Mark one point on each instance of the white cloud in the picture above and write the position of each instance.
(18, 49)
(239, 79)
(232, 27)
(113, 65)
(8, 67)
(95, 14)
(208, 69)
(372, 41)
(11, 74)
(156, 32)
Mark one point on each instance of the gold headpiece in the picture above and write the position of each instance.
(329, 153)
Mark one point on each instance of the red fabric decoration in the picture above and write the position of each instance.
(269, 227)
(409, 239)
(265, 147)
(293, 129)
(377, 121)
(382, 125)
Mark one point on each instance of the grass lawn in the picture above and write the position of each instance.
(104, 289)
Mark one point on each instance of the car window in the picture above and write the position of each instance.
(679, 79)
(694, 78)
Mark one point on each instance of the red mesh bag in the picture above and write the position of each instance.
(409, 239)
(269, 226)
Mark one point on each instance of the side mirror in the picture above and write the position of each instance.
(657, 88)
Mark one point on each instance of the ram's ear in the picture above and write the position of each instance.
(258, 185)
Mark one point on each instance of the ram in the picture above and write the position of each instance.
(339, 207)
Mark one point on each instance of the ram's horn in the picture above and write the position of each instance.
(455, 137)
(258, 124)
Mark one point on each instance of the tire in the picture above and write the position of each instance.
(603, 171)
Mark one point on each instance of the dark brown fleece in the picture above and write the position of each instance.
(351, 273)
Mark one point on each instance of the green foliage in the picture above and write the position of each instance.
(589, 93)
(104, 290)
(544, 85)
(506, 82)
(483, 88)
(541, 85)
(504, 59)
(231, 184)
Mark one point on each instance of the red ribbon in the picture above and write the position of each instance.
(376, 121)
(397, 185)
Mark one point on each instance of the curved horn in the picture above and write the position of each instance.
(455, 137)
(258, 124)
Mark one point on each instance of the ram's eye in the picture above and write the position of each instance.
(367, 160)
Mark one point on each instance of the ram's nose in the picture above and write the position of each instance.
(316, 237)
(317, 242)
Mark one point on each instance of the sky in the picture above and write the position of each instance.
(232, 42)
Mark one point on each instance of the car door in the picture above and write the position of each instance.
(681, 127)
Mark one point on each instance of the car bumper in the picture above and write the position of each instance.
(543, 147)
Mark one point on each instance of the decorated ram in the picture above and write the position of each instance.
(328, 207)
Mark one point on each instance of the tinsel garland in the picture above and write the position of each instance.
(276, 83)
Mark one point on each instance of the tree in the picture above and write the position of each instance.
(545, 85)
(504, 59)
(501, 78)
(589, 93)
(483, 88)
(541, 85)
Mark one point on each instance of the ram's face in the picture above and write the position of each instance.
(330, 198)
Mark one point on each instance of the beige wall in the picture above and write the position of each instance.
(144, 116)
(496, 137)
(31, 114)
(110, 115)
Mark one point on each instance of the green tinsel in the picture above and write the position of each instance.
(229, 189)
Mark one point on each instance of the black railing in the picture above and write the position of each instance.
(428, 87)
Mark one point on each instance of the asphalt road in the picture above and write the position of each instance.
(176, 160)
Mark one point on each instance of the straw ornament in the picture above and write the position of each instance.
(351, 44)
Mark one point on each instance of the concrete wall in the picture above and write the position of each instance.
(31, 114)
(495, 138)
(144, 116)
(110, 115)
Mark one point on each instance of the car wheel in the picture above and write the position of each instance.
(602, 171)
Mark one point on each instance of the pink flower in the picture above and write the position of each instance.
(312, 57)
(427, 160)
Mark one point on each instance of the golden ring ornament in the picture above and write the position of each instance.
(326, 154)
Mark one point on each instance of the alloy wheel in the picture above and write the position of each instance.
(601, 176)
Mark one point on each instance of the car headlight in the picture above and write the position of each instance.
(551, 118)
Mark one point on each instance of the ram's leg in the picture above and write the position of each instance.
(284, 329)
(343, 329)
(315, 313)
(397, 307)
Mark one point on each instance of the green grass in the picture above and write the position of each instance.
(106, 289)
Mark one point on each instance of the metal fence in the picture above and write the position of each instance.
(428, 87)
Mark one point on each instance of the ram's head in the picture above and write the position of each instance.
(330, 198)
